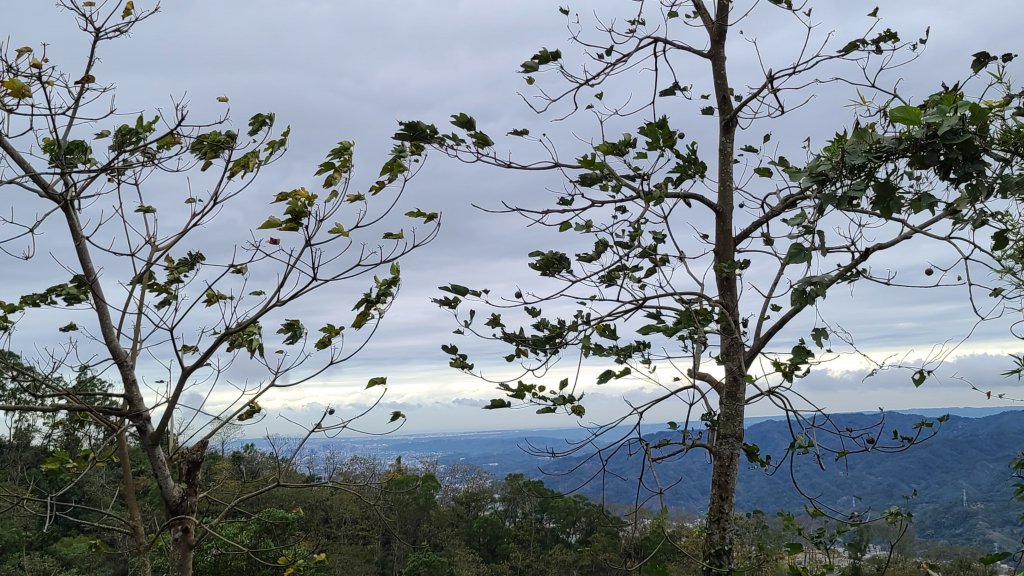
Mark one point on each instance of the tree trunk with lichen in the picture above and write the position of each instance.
(731, 389)
(182, 522)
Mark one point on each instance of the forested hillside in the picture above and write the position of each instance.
(967, 458)
(389, 518)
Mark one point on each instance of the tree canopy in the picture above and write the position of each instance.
(705, 272)
(125, 203)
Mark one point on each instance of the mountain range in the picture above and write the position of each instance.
(956, 483)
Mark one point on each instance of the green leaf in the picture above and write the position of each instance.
(753, 454)
(292, 330)
(212, 297)
(887, 199)
(249, 338)
(145, 209)
(763, 171)
(330, 332)
(794, 548)
(550, 263)
(457, 289)
(981, 60)
(245, 164)
(796, 219)
(417, 132)
(464, 121)
(906, 115)
(797, 254)
(271, 223)
(260, 122)
(708, 110)
(168, 141)
(852, 46)
(396, 415)
(497, 403)
(17, 89)
(377, 381)
(1000, 240)
(427, 217)
(672, 90)
(251, 410)
(481, 140)
(919, 377)
(990, 559)
(206, 147)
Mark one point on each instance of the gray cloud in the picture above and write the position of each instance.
(351, 70)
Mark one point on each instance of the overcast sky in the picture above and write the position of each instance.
(351, 70)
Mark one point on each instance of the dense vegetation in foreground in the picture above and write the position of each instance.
(380, 518)
(956, 484)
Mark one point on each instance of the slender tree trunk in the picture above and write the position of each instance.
(180, 498)
(184, 509)
(731, 390)
(132, 504)
(720, 535)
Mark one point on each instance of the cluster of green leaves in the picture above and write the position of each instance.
(68, 155)
(251, 410)
(887, 39)
(375, 301)
(23, 73)
(247, 336)
(176, 275)
(68, 294)
(419, 135)
(61, 462)
(216, 145)
(213, 145)
(298, 206)
(947, 136)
